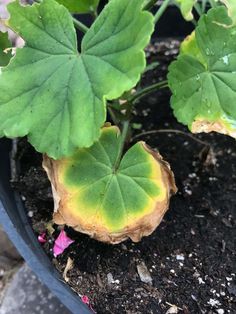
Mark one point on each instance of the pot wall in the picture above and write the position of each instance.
(15, 223)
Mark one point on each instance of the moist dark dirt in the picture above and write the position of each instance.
(191, 256)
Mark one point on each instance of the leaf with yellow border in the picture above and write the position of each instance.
(186, 7)
(111, 204)
(203, 79)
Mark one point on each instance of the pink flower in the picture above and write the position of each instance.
(42, 237)
(61, 243)
(85, 300)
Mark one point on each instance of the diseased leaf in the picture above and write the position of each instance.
(4, 44)
(189, 47)
(56, 95)
(186, 7)
(203, 79)
(80, 6)
(108, 204)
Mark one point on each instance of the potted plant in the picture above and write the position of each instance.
(59, 95)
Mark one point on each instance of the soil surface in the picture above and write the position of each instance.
(190, 260)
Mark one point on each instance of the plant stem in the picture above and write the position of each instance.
(124, 134)
(161, 10)
(147, 90)
(83, 28)
(150, 4)
(94, 15)
(204, 5)
(213, 3)
(171, 131)
(113, 116)
(194, 22)
(198, 9)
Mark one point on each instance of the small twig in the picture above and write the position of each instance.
(179, 308)
(170, 131)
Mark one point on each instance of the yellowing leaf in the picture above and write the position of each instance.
(111, 204)
(189, 47)
(186, 7)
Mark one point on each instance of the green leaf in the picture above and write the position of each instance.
(111, 205)
(231, 5)
(203, 79)
(61, 102)
(186, 7)
(80, 6)
(4, 44)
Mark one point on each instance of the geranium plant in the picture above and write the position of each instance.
(58, 93)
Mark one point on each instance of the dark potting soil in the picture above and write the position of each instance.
(191, 257)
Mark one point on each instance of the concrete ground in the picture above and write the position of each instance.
(10, 261)
(20, 290)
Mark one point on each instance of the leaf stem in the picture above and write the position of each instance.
(204, 5)
(161, 10)
(124, 135)
(79, 25)
(150, 4)
(94, 14)
(170, 131)
(198, 9)
(143, 92)
(113, 116)
(213, 3)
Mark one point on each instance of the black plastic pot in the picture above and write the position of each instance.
(15, 223)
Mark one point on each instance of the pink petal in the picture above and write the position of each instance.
(42, 237)
(61, 243)
(85, 299)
